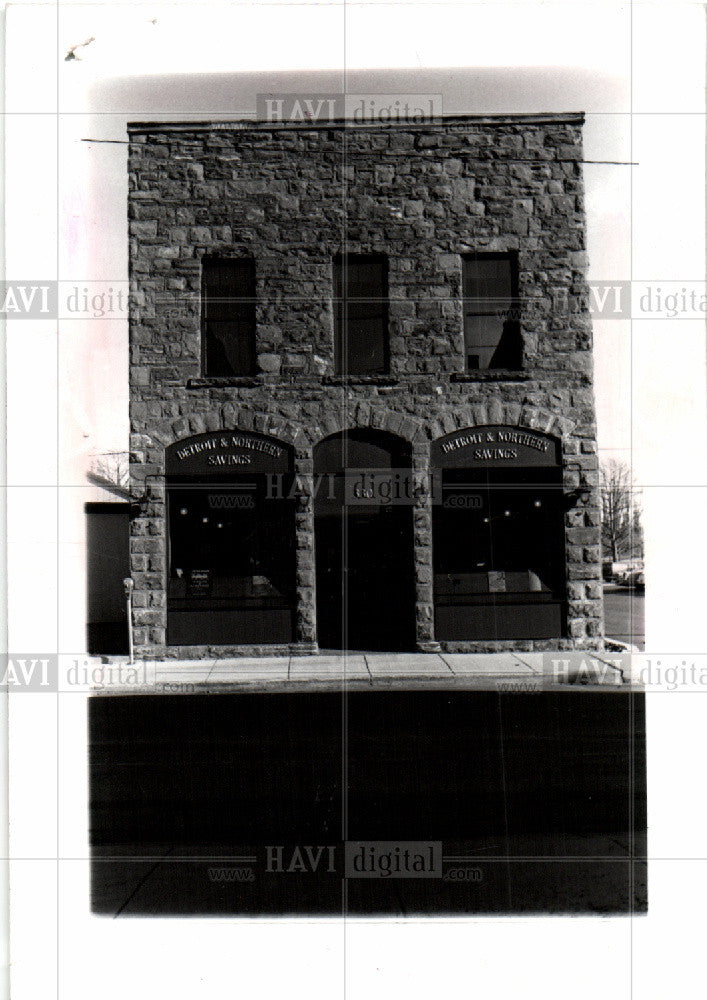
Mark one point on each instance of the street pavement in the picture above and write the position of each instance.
(244, 804)
(624, 615)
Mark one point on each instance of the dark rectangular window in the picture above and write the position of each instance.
(361, 314)
(490, 296)
(228, 316)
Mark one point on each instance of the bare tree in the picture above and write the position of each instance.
(112, 468)
(621, 530)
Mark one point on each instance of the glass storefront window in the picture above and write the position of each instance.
(498, 551)
(231, 562)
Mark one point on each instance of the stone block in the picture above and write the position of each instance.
(269, 362)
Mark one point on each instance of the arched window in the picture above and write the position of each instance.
(231, 532)
(498, 536)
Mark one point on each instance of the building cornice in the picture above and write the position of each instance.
(244, 124)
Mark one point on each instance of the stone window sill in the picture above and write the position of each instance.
(218, 383)
(290, 378)
(488, 375)
(360, 380)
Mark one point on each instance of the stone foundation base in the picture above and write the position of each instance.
(595, 645)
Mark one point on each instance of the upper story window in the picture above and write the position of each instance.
(361, 314)
(491, 328)
(228, 316)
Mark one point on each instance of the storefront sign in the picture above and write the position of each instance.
(199, 582)
(494, 445)
(227, 452)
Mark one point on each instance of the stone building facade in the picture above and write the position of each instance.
(425, 198)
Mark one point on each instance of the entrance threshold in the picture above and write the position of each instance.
(511, 673)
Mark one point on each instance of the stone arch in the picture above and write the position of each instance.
(497, 412)
(502, 488)
(228, 416)
(210, 541)
(366, 417)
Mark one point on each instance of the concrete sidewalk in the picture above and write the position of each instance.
(503, 672)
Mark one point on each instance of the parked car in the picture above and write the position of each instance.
(632, 577)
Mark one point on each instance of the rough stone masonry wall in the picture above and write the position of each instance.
(292, 197)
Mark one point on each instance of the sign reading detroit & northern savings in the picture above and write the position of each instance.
(494, 446)
(227, 451)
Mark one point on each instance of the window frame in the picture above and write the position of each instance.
(248, 320)
(341, 319)
(512, 325)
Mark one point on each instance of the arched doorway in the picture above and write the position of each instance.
(498, 536)
(364, 542)
(231, 540)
